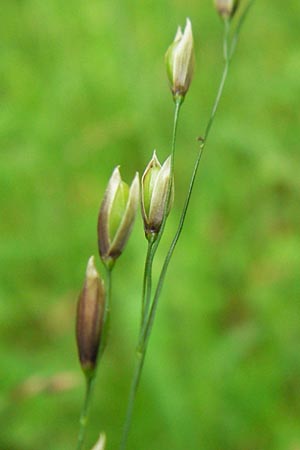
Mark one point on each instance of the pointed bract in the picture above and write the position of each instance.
(104, 214)
(226, 8)
(180, 61)
(127, 220)
(148, 181)
(155, 183)
(116, 216)
(100, 444)
(90, 312)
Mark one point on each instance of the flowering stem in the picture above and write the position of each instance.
(148, 321)
(147, 282)
(218, 97)
(190, 189)
(91, 376)
(89, 379)
(239, 27)
(152, 247)
(155, 240)
(178, 103)
(106, 318)
(227, 58)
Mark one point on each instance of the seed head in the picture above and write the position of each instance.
(155, 182)
(226, 8)
(116, 216)
(90, 312)
(180, 61)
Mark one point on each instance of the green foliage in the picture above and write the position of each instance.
(84, 89)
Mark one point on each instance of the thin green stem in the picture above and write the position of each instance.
(85, 410)
(239, 27)
(106, 318)
(147, 283)
(220, 89)
(147, 328)
(190, 189)
(147, 288)
(178, 103)
(228, 53)
(90, 377)
(133, 390)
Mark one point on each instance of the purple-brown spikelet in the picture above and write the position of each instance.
(90, 312)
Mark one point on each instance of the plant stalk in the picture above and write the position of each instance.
(147, 283)
(147, 286)
(85, 410)
(178, 104)
(227, 53)
(147, 325)
(106, 318)
(90, 377)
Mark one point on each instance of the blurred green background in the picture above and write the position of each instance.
(83, 88)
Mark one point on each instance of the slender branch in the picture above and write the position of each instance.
(147, 289)
(133, 390)
(106, 318)
(239, 27)
(178, 103)
(90, 377)
(147, 283)
(85, 410)
(227, 58)
(220, 89)
(147, 326)
(190, 189)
